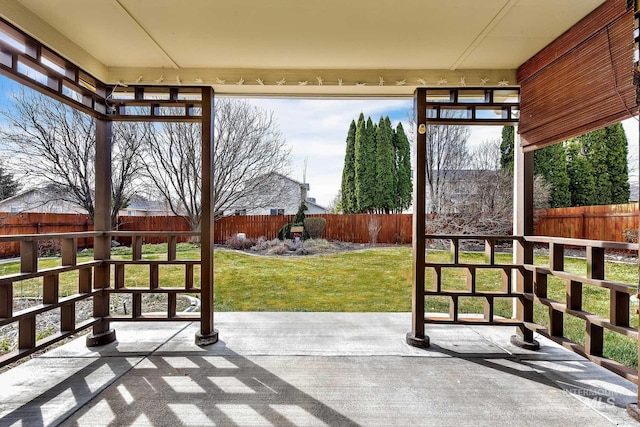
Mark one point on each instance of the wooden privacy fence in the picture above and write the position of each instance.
(394, 228)
(607, 222)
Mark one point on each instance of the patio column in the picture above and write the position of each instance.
(207, 335)
(417, 337)
(523, 251)
(102, 334)
(634, 408)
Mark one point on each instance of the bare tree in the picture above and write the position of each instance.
(446, 156)
(482, 196)
(250, 152)
(55, 145)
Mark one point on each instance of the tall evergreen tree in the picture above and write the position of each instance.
(384, 167)
(594, 146)
(551, 163)
(582, 182)
(617, 165)
(404, 187)
(365, 165)
(507, 148)
(8, 185)
(349, 201)
(367, 197)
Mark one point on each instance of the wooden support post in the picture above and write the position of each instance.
(27, 333)
(594, 339)
(490, 251)
(471, 279)
(154, 276)
(70, 251)
(102, 333)
(454, 251)
(523, 251)
(556, 322)
(171, 247)
(29, 256)
(68, 317)
(488, 308)
(574, 295)
(6, 300)
(50, 285)
(437, 278)
(84, 280)
(188, 276)
(171, 305)
(506, 280)
(119, 276)
(208, 334)
(136, 303)
(136, 248)
(633, 409)
(453, 308)
(595, 263)
(417, 337)
(619, 308)
(540, 285)
(556, 257)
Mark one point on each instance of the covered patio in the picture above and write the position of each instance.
(303, 369)
(554, 69)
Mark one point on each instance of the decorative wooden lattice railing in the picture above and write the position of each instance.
(49, 287)
(527, 284)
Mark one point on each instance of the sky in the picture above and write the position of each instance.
(316, 129)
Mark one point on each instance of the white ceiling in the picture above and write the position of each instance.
(402, 42)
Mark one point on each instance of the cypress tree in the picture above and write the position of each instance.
(551, 163)
(507, 148)
(582, 182)
(349, 201)
(368, 198)
(384, 167)
(360, 163)
(617, 163)
(594, 146)
(404, 187)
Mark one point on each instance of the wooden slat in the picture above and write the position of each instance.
(13, 356)
(582, 81)
(42, 308)
(48, 271)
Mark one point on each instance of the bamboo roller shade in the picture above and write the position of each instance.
(582, 81)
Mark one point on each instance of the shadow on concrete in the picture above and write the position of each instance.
(576, 376)
(175, 390)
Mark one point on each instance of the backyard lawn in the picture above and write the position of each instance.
(375, 280)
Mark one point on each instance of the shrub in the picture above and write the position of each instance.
(285, 231)
(234, 242)
(314, 227)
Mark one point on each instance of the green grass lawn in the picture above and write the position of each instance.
(377, 280)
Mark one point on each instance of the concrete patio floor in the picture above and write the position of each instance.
(286, 369)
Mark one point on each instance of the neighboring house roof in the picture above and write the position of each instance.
(41, 199)
(140, 204)
(310, 203)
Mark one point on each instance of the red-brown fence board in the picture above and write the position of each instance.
(40, 223)
(590, 222)
(607, 222)
(152, 223)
